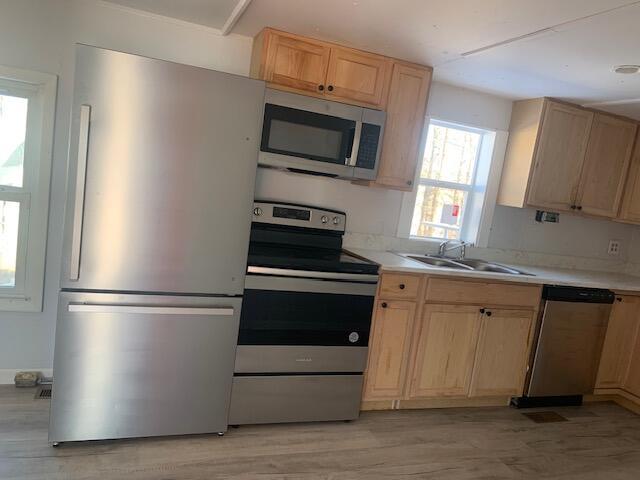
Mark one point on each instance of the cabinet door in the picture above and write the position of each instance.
(389, 349)
(358, 76)
(619, 342)
(403, 130)
(630, 210)
(632, 381)
(560, 153)
(295, 62)
(606, 164)
(445, 350)
(502, 353)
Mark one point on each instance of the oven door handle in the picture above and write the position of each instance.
(284, 272)
(355, 145)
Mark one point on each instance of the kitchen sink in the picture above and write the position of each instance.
(472, 264)
(482, 266)
(439, 262)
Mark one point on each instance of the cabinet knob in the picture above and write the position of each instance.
(383, 304)
(579, 207)
(401, 286)
(618, 299)
(330, 88)
(573, 207)
(321, 87)
(482, 310)
(489, 313)
(409, 182)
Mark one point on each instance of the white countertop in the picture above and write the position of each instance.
(620, 282)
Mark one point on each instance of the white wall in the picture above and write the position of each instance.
(40, 35)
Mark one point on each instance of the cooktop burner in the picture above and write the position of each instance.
(313, 259)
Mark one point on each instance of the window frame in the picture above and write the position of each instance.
(492, 159)
(468, 188)
(33, 196)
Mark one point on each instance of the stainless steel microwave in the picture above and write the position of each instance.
(310, 135)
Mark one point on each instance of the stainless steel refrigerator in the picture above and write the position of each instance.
(162, 165)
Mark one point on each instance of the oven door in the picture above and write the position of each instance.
(282, 310)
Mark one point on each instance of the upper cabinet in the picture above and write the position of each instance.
(405, 120)
(311, 67)
(333, 72)
(605, 166)
(564, 157)
(630, 210)
(357, 76)
(290, 61)
(559, 157)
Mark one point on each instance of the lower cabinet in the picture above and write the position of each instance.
(424, 350)
(502, 353)
(445, 349)
(389, 349)
(619, 342)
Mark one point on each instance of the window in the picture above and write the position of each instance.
(452, 184)
(26, 131)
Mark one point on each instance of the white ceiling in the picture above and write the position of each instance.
(211, 13)
(571, 57)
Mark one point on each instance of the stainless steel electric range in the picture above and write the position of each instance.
(305, 321)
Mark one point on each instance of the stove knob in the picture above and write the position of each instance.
(336, 220)
(324, 219)
(257, 211)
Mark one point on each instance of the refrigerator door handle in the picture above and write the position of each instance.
(81, 173)
(150, 309)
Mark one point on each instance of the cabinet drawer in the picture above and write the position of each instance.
(481, 293)
(396, 285)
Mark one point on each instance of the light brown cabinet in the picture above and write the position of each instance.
(406, 109)
(563, 157)
(606, 165)
(290, 61)
(632, 380)
(619, 342)
(311, 67)
(502, 353)
(333, 72)
(630, 210)
(391, 332)
(445, 350)
(444, 338)
(359, 76)
(559, 157)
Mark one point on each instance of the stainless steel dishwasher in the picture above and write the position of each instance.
(570, 334)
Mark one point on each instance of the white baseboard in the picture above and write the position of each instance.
(7, 375)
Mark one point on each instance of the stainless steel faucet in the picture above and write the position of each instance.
(462, 245)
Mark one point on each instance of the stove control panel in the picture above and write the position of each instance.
(278, 213)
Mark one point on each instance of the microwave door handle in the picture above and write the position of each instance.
(355, 145)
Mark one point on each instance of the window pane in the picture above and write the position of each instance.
(13, 128)
(438, 212)
(9, 216)
(450, 154)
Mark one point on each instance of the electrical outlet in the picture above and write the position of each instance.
(614, 247)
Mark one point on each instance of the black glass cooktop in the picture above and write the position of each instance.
(304, 258)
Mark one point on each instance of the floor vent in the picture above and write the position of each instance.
(545, 417)
(43, 391)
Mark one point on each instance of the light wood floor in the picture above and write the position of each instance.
(600, 441)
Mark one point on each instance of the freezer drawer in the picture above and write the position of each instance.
(295, 398)
(142, 365)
